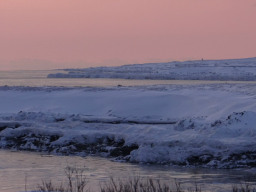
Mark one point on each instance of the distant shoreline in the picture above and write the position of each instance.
(217, 70)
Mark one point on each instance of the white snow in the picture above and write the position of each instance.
(210, 125)
(233, 69)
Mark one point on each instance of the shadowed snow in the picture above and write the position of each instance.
(201, 125)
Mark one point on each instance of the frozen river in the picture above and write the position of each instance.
(20, 170)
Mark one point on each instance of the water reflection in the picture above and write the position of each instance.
(20, 168)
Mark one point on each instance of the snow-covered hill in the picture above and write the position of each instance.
(233, 69)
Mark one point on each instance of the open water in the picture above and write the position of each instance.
(21, 171)
(39, 78)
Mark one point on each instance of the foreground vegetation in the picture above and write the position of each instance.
(77, 182)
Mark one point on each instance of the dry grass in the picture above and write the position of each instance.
(136, 184)
(245, 187)
(76, 182)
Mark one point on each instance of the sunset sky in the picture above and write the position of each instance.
(46, 34)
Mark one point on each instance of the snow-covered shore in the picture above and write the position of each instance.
(227, 70)
(190, 125)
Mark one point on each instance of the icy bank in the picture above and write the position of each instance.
(203, 125)
(233, 69)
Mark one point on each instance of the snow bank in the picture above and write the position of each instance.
(194, 125)
(225, 143)
(234, 69)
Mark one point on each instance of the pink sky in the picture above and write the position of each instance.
(45, 34)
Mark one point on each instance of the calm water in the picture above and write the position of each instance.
(20, 168)
(39, 78)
